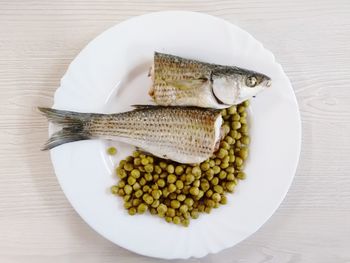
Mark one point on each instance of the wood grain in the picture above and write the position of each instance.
(38, 39)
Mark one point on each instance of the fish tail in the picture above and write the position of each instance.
(74, 126)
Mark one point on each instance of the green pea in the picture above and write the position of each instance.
(223, 200)
(171, 188)
(157, 169)
(245, 140)
(179, 184)
(135, 173)
(224, 165)
(244, 129)
(147, 198)
(131, 180)
(189, 202)
(163, 165)
(196, 183)
(230, 186)
(239, 136)
(141, 208)
(216, 197)
(212, 163)
(149, 168)
(112, 150)
(132, 211)
(153, 210)
(170, 169)
(205, 166)
(232, 158)
(243, 120)
(137, 161)
(179, 170)
(162, 208)
(231, 110)
(225, 145)
(150, 159)
(138, 193)
(121, 173)
(176, 220)
(217, 161)
(209, 193)
(238, 161)
(218, 189)
(200, 195)
(223, 112)
(243, 153)
(128, 189)
(163, 175)
(241, 175)
(121, 184)
(114, 189)
(241, 108)
(236, 125)
(185, 222)
(210, 174)
(168, 219)
(223, 152)
(181, 197)
(128, 167)
(183, 209)
(194, 214)
(205, 185)
(201, 207)
(146, 188)
(175, 204)
(189, 178)
(215, 181)
(170, 212)
(142, 181)
(156, 194)
(136, 154)
(230, 177)
(127, 205)
(229, 140)
(171, 178)
(207, 210)
(144, 161)
(225, 128)
(222, 175)
(155, 203)
(148, 177)
(209, 203)
(216, 169)
(194, 191)
(196, 171)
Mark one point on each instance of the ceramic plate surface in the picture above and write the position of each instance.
(110, 74)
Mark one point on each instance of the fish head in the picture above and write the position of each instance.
(234, 85)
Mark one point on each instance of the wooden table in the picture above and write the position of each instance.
(310, 38)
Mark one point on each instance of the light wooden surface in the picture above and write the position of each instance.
(310, 38)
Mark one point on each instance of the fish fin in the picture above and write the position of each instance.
(74, 126)
(143, 106)
(187, 84)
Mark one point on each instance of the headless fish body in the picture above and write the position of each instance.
(180, 81)
(182, 134)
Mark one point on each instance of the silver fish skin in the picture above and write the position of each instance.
(186, 82)
(182, 134)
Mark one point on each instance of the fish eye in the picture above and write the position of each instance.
(251, 81)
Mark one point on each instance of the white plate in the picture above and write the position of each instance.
(110, 74)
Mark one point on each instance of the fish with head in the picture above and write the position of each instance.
(180, 81)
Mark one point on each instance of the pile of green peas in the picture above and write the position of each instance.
(178, 192)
